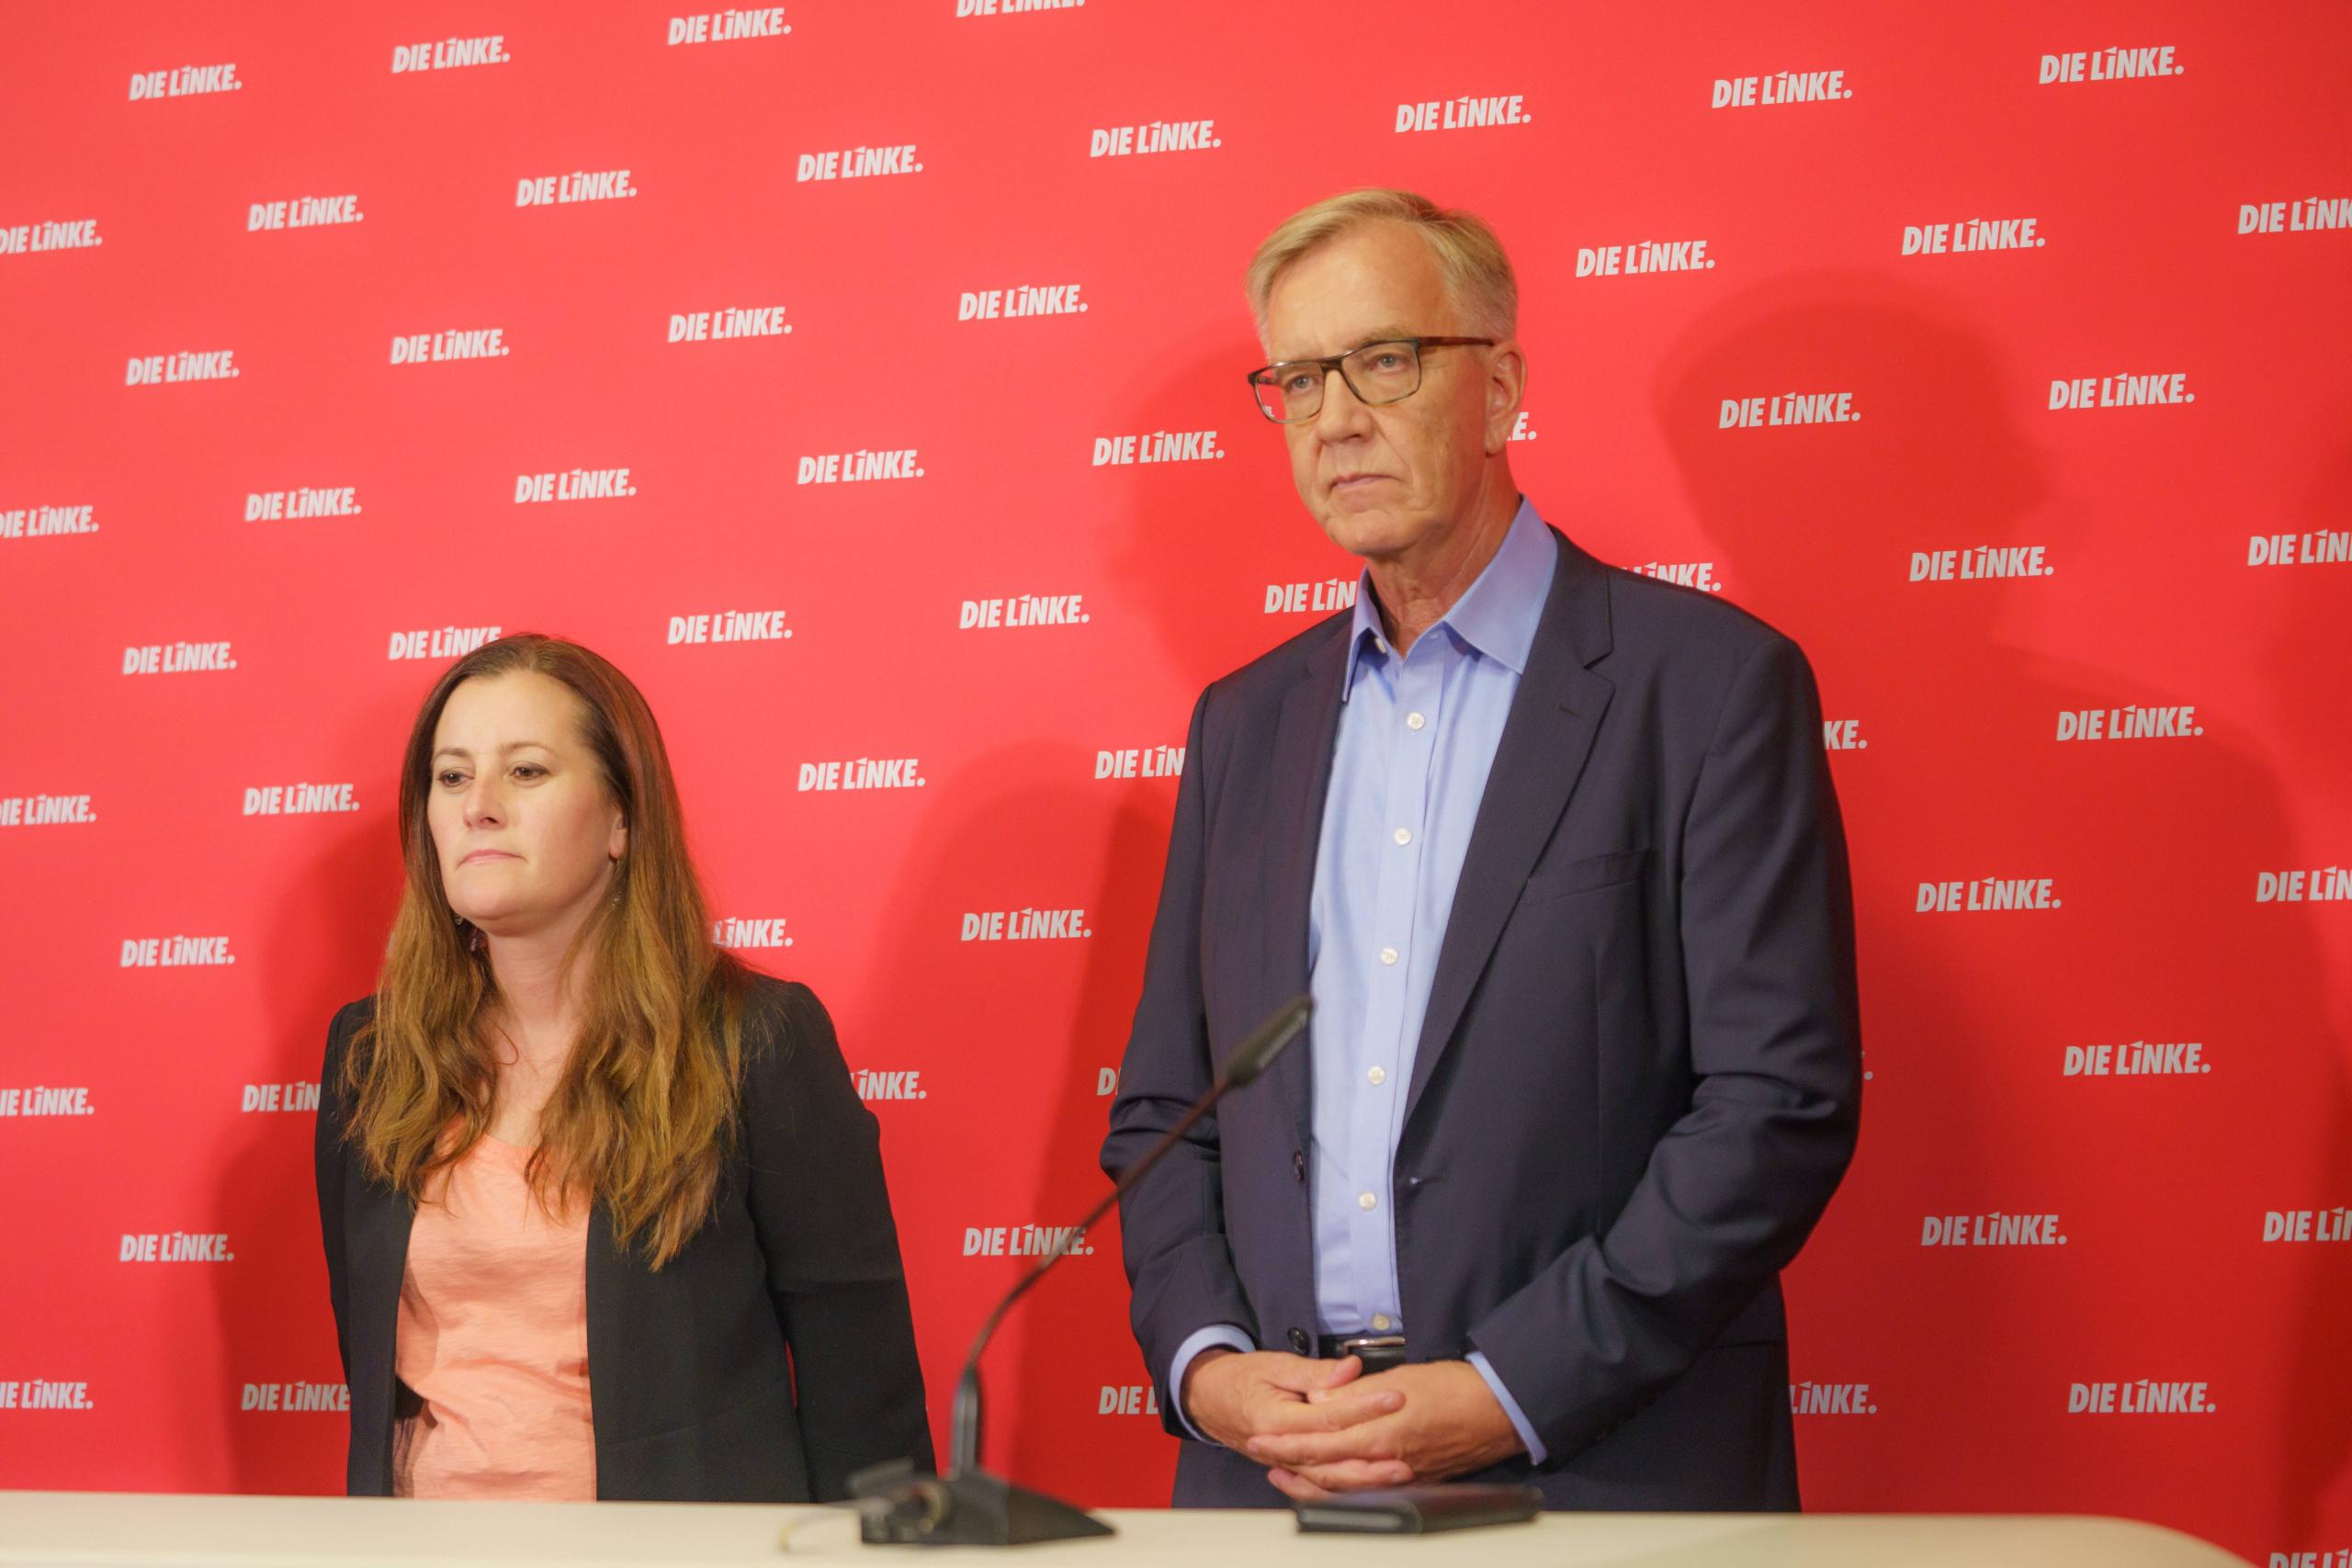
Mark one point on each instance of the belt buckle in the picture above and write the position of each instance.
(1359, 1342)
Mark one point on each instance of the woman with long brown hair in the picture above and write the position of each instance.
(585, 1180)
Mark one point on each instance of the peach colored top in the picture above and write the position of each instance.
(494, 1338)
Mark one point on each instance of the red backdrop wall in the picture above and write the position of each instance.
(337, 338)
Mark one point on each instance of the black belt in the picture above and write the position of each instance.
(1381, 1352)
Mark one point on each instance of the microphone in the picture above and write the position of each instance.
(968, 1506)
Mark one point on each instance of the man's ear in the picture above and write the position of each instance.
(1506, 388)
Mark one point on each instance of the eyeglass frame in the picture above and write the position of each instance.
(1332, 362)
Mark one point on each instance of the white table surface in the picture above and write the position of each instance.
(83, 1527)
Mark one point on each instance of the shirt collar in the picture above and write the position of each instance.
(1496, 617)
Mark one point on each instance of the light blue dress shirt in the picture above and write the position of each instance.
(1417, 736)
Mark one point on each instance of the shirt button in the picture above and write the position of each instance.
(1367, 1200)
(1378, 1075)
(1414, 721)
(1380, 643)
(1380, 1321)
(1388, 955)
(1404, 835)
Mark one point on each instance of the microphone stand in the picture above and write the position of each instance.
(968, 1506)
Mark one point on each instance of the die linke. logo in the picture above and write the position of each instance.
(2137, 1058)
(1025, 925)
(450, 54)
(185, 81)
(1831, 1399)
(862, 772)
(2129, 724)
(50, 234)
(1140, 762)
(728, 27)
(266, 1099)
(2121, 391)
(1966, 564)
(1132, 1399)
(1843, 735)
(1020, 299)
(439, 642)
(1313, 598)
(1986, 893)
(187, 364)
(2324, 547)
(573, 484)
(2111, 64)
(2339, 1557)
(1012, 7)
(1157, 446)
(1637, 256)
(906, 1084)
(176, 657)
(856, 163)
(1780, 87)
(2307, 1224)
(1971, 234)
(175, 1247)
(175, 951)
(40, 1394)
(729, 625)
(1995, 1229)
(42, 521)
(858, 466)
(456, 343)
(298, 799)
(2143, 1396)
(1786, 408)
(580, 184)
(302, 212)
(294, 505)
(1467, 112)
(2319, 885)
(1025, 1241)
(2311, 214)
(1154, 136)
(46, 1099)
(735, 932)
(1022, 610)
(294, 1398)
(1698, 574)
(45, 810)
(728, 321)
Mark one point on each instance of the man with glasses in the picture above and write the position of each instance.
(1553, 847)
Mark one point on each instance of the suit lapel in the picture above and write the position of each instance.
(1553, 717)
(1301, 772)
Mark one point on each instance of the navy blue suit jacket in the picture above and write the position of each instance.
(1638, 1078)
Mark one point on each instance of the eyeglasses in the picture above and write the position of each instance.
(1384, 372)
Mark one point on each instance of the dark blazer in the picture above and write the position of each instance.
(1637, 1083)
(688, 1384)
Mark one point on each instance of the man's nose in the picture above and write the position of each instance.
(1342, 413)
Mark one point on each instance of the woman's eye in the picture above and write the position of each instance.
(528, 770)
(451, 778)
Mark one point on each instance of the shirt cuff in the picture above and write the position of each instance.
(1518, 1422)
(1215, 1334)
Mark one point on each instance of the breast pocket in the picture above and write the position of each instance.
(1584, 874)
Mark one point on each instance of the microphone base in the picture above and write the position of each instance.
(899, 1507)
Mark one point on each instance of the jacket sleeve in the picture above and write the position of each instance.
(1172, 1226)
(1735, 1184)
(822, 1209)
(327, 1159)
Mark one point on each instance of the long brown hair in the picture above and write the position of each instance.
(644, 1113)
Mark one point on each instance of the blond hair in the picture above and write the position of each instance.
(1478, 279)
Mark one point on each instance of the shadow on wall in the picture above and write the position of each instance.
(1959, 685)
